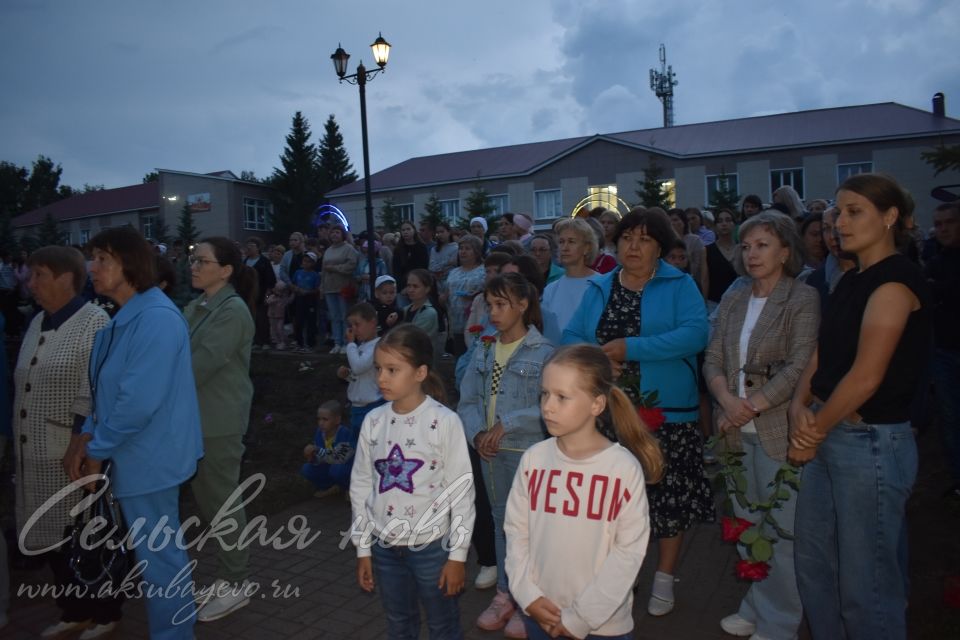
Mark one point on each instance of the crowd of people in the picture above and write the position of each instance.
(592, 360)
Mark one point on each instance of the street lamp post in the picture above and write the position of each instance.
(381, 51)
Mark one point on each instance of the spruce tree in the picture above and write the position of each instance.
(333, 164)
(186, 230)
(49, 232)
(478, 204)
(162, 232)
(651, 187)
(297, 182)
(390, 216)
(433, 212)
(725, 196)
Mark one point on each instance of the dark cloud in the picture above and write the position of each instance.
(112, 90)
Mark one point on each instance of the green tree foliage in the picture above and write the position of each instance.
(43, 183)
(249, 176)
(433, 212)
(8, 241)
(726, 196)
(186, 229)
(334, 164)
(943, 158)
(297, 181)
(49, 232)
(651, 187)
(478, 204)
(390, 216)
(162, 231)
(13, 188)
(153, 176)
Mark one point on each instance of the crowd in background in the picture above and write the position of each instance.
(802, 332)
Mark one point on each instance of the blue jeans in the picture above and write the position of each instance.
(170, 612)
(772, 604)
(323, 476)
(406, 579)
(851, 536)
(357, 414)
(498, 478)
(946, 382)
(536, 632)
(337, 314)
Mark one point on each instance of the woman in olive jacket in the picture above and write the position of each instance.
(221, 335)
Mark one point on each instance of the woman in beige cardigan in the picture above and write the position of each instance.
(765, 333)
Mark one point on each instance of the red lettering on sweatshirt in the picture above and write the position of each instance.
(551, 490)
(572, 494)
(572, 507)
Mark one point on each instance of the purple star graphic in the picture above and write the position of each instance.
(396, 471)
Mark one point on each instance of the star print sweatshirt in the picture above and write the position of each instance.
(577, 533)
(411, 482)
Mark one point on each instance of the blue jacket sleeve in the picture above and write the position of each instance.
(471, 409)
(688, 338)
(150, 364)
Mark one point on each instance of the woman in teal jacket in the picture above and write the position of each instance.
(221, 334)
(651, 321)
(144, 418)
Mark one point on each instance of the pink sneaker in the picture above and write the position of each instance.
(515, 628)
(496, 615)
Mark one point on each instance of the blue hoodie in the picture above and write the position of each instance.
(145, 414)
(673, 330)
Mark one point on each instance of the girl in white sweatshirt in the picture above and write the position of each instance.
(579, 490)
(412, 493)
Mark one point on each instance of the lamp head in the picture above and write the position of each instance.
(381, 51)
(340, 59)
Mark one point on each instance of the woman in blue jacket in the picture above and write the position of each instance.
(144, 418)
(651, 321)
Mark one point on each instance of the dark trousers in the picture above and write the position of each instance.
(261, 336)
(482, 539)
(73, 606)
(305, 320)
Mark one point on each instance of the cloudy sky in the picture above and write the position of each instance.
(112, 89)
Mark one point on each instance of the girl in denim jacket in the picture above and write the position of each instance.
(500, 410)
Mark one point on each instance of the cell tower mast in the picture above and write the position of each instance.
(662, 83)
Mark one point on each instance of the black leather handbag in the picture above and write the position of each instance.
(104, 556)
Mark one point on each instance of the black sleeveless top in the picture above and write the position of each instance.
(840, 334)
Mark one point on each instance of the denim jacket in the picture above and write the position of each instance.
(518, 403)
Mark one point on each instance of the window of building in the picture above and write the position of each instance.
(716, 182)
(256, 214)
(148, 227)
(786, 177)
(405, 211)
(603, 196)
(500, 204)
(450, 210)
(848, 169)
(84, 236)
(548, 204)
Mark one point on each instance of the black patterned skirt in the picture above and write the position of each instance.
(683, 496)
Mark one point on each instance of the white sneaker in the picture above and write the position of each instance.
(226, 599)
(737, 625)
(486, 578)
(55, 630)
(98, 631)
(659, 607)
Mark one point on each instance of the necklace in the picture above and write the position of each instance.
(645, 283)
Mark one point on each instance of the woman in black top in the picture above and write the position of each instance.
(720, 271)
(850, 422)
(410, 254)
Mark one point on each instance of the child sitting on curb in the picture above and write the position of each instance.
(329, 458)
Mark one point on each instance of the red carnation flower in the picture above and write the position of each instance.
(475, 328)
(754, 571)
(652, 417)
(733, 527)
(488, 340)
